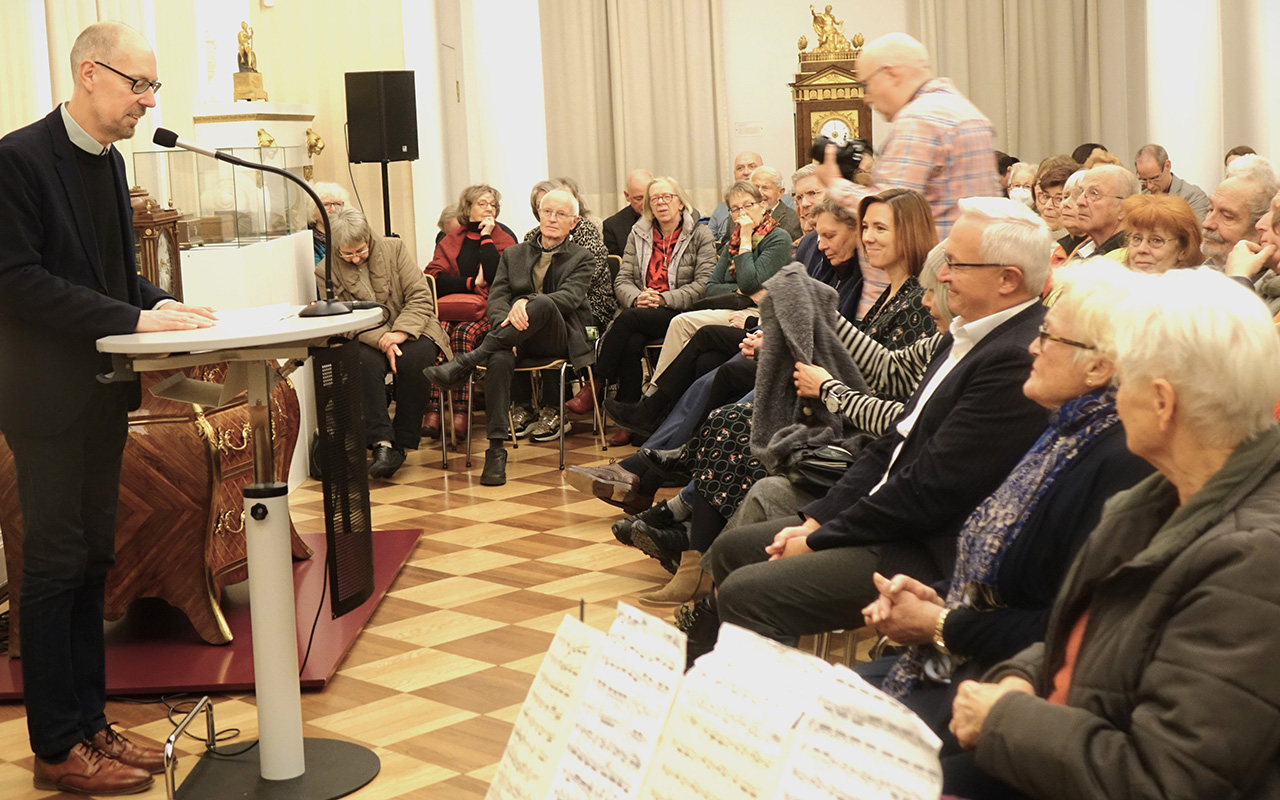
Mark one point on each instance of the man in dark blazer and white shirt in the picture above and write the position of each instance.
(906, 496)
(67, 277)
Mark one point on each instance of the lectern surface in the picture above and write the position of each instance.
(243, 327)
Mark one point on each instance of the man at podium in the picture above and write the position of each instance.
(68, 277)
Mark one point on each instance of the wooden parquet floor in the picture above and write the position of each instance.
(434, 682)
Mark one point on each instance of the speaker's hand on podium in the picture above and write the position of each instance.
(175, 317)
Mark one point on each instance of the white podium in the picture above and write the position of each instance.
(248, 340)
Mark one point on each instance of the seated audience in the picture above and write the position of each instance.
(1155, 173)
(1004, 163)
(447, 222)
(1100, 158)
(897, 234)
(464, 267)
(1102, 190)
(1162, 233)
(1156, 677)
(1257, 265)
(1236, 206)
(1022, 180)
(831, 255)
(757, 249)
(333, 197)
(806, 191)
(617, 228)
(769, 181)
(1082, 152)
(1070, 219)
(902, 502)
(1015, 548)
(1050, 189)
(537, 307)
(1236, 152)
(665, 269)
(370, 267)
(744, 164)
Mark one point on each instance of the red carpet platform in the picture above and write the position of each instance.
(154, 650)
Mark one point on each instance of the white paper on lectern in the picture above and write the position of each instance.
(538, 737)
(624, 708)
(857, 743)
(732, 719)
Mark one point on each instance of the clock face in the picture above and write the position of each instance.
(835, 128)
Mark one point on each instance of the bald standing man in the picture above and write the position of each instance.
(941, 146)
(68, 276)
(744, 164)
(618, 227)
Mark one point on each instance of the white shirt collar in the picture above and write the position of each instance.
(966, 335)
(80, 137)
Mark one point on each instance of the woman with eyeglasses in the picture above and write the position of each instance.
(897, 234)
(464, 266)
(665, 269)
(1015, 548)
(1071, 191)
(1049, 189)
(1163, 233)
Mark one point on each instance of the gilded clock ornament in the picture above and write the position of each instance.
(826, 93)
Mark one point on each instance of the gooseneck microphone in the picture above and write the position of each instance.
(327, 307)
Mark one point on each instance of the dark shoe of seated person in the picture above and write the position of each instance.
(659, 516)
(612, 484)
(495, 467)
(386, 460)
(431, 424)
(667, 463)
(700, 622)
(121, 748)
(583, 401)
(665, 543)
(642, 417)
(88, 770)
(451, 374)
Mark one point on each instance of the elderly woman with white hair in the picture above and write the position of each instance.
(1157, 676)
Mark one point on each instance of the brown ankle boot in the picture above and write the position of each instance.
(581, 403)
(688, 585)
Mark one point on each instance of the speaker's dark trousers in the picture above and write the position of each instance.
(68, 488)
(547, 336)
(412, 389)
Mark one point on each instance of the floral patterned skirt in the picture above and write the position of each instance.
(723, 467)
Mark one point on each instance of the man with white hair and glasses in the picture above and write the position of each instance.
(1235, 207)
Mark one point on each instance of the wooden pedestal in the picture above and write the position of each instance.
(180, 525)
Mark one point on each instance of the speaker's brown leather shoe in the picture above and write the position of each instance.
(87, 770)
(121, 749)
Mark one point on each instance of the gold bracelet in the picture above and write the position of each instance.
(938, 641)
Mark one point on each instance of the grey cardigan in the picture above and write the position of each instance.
(693, 260)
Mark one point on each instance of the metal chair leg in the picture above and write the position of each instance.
(446, 425)
(597, 416)
(469, 418)
(563, 422)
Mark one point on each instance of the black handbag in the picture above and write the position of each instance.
(819, 468)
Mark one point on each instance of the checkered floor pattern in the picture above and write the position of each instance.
(437, 677)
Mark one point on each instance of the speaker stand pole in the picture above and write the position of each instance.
(386, 200)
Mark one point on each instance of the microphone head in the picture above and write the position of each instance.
(165, 138)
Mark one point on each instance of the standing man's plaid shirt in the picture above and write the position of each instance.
(943, 147)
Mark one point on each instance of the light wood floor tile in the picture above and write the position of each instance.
(598, 556)
(402, 776)
(452, 592)
(394, 719)
(467, 562)
(428, 630)
(482, 535)
(416, 669)
(593, 586)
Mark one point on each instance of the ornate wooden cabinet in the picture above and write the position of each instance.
(826, 93)
(180, 526)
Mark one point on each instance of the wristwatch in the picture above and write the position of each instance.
(938, 641)
(828, 398)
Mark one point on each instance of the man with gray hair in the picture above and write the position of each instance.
(901, 504)
(68, 277)
(744, 164)
(941, 146)
(1102, 190)
(1155, 173)
(769, 181)
(1235, 207)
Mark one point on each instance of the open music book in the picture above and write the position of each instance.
(613, 717)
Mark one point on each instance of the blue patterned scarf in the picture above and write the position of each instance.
(995, 524)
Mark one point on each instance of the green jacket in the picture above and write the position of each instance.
(752, 267)
(1176, 690)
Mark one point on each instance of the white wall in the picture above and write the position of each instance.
(429, 192)
(1185, 103)
(761, 59)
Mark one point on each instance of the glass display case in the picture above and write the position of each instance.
(225, 205)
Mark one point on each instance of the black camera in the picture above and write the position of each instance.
(848, 154)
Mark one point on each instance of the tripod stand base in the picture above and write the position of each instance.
(334, 769)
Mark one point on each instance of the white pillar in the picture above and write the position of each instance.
(1185, 87)
(511, 135)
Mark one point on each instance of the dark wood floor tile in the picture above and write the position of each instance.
(517, 606)
(499, 646)
(528, 574)
(466, 746)
(482, 692)
(537, 545)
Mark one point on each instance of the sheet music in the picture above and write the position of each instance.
(732, 719)
(624, 707)
(538, 737)
(858, 742)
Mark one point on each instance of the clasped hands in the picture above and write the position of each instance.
(650, 298)
(792, 541)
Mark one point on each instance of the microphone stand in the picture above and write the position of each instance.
(326, 307)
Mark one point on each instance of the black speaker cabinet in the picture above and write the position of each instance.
(382, 116)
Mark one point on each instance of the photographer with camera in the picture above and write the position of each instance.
(941, 145)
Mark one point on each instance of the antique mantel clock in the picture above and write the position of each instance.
(827, 95)
(155, 230)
